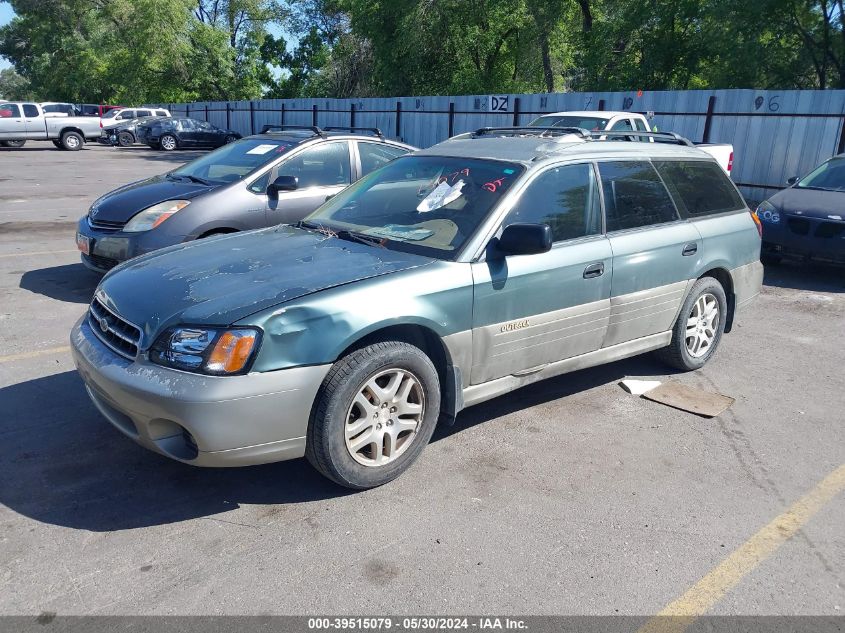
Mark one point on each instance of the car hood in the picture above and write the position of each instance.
(221, 280)
(811, 203)
(121, 204)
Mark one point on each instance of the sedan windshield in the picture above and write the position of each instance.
(234, 161)
(829, 176)
(588, 123)
(429, 205)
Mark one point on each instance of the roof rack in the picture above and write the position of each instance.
(268, 129)
(530, 130)
(660, 137)
(340, 128)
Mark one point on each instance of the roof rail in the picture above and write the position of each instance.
(269, 129)
(340, 128)
(529, 130)
(661, 137)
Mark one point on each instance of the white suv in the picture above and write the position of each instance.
(113, 118)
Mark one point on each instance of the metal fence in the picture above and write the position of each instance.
(775, 134)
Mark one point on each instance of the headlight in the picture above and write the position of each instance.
(155, 215)
(767, 213)
(207, 350)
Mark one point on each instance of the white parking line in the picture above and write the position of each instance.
(72, 250)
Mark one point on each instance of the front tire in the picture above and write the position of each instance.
(168, 142)
(699, 327)
(125, 139)
(374, 414)
(58, 144)
(72, 141)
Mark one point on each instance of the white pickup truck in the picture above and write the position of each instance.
(601, 121)
(21, 122)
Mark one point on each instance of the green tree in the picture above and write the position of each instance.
(13, 87)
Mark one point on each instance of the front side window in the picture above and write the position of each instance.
(30, 110)
(142, 113)
(641, 126)
(324, 165)
(699, 187)
(9, 111)
(634, 196)
(429, 205)
(566, 198)
(375, 155)
(829, 176)
(622, 125)
(587, 123)
(161, 113)
(234, 161)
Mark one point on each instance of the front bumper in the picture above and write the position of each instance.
(110, 248)
(199, 420)
(806, 237)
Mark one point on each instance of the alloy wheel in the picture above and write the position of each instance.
(702, 325)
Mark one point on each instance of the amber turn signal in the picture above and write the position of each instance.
(231, 351)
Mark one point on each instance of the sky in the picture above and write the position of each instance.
(6, 15)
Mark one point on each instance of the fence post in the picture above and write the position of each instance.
(283, 113)
(841, 146)
(228, 117)
(351, 115)
(451, 118)
(314, 115)
(188, 110)
(601, 105)
(399, 120)
(206, 113)
(708, 121)
(515, 111)
(251, 116)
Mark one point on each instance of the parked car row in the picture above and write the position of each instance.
(382, 290)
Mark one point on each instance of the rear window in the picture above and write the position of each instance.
(699, 188)
(587, 123)
(634, 195)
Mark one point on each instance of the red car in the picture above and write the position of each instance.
(93, 109)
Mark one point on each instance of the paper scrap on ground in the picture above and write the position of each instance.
(686, 398)
(638, 387)
(440, 196)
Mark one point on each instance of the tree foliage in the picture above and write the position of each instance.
(180, 50)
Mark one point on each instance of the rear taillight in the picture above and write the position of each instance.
(757, 222)
(730, 162)
(101, 124)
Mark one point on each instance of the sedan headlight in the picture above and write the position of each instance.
(155, 215)
(207, 350)
(767, 213)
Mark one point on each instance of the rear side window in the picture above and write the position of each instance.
(30, 110)
(142, 113)
(699, 187)
(9, 111)
(161, 113)
(566, 198)
(634, 196)
(374, 156)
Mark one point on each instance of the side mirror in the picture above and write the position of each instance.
(282, 183)
(792, 181)
(525, 239)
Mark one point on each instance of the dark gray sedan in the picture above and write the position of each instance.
(807, 220)
(272, 178)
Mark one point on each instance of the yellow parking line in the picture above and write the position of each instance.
(678, 615)
(73, 250)
(35, 354)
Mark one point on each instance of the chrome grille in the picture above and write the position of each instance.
(105, 225)
(117, 333)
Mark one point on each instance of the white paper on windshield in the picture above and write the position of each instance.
(261, 149)
(442, 195)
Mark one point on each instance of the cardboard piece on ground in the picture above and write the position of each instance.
(686, 398)
(638, 387)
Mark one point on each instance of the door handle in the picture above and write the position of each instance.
(594, 270)
(689, 249)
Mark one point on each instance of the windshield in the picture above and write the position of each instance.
(111, 113)
(429, 205)
(234, 161)
(829, 176)
(588, 123)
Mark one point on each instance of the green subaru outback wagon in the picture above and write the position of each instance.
(448, 277)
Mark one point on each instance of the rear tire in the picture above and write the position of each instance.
(699, 327)
(72, 141)
(168, 143)
(125, 139)
(14, 144)
(229, 139)
(374, 414)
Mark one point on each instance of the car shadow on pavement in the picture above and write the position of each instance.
(178, 156)
(72, 283)
(62, 463)
(811, 276)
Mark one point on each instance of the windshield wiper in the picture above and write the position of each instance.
(192, 178)
(342, 234)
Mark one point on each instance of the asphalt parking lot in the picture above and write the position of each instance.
(567, 497)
